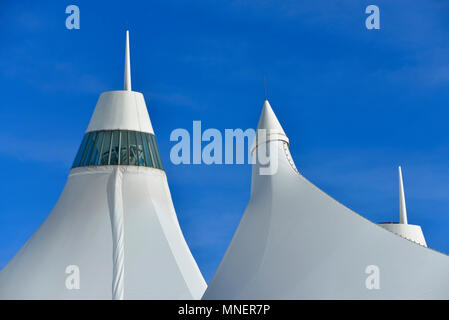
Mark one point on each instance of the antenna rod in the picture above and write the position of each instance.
(127, 85)
(402, 207)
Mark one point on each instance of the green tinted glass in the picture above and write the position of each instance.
(124, 155)
(105, 149)
(118, 147)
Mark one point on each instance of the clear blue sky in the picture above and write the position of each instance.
(355, 103)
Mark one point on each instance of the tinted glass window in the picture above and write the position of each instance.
(152, 151)
(140, 153)
(105, 149)
(132, 148)
(146, 149)
(114, 147)
(124, 156)
(156, 152)
(80, 151)
(88, 150)
(96, 149)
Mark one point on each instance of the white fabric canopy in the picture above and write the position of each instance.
(296, 242)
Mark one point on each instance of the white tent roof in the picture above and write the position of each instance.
(296, 242)
(115, 223)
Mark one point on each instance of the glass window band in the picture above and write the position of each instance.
(118, 147)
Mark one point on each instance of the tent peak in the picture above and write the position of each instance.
(268, 119)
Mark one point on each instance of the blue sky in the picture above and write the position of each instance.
(355, 103)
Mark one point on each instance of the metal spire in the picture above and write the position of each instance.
(127, 85)
(402, 207)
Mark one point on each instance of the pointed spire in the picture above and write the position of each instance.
(269, 121)
(402, 207)
(127, 85)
